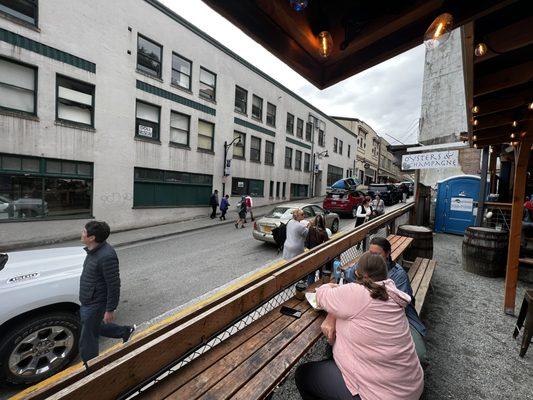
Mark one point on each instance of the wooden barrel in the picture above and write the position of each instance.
(485, 251)
(422, 245)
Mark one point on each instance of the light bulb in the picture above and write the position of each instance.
(475, 146)
(439, 30)
(514, 124)
(474, 137)
(475, 122)
(298, 5)
(475, 110)
(480, 50)
(530, 106)
(325, 44)
(513, 135)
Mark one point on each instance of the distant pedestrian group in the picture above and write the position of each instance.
(244, 206)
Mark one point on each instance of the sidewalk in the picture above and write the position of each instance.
(127, 237)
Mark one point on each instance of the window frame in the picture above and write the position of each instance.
(252, 158)
(267, 142)
(261, 110)
(139, 137)
(272, 116)
(188, 130)
(140, 35)
(245, 112)
(335, 144)
(307, 162)
(35, 24)
(214, 99)
(284, 190)
(290, 117)
(172, 70)
(299, 128)
(288, 156)
(309, 131)
(341, 145)
(298, 162)
(35, 87)
(68, 121)
(242, 135)
(212, 150)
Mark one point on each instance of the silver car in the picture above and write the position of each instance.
(283, 213)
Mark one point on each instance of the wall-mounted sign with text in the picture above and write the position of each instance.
(437, 159)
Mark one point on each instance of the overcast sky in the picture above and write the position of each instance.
(387, 96)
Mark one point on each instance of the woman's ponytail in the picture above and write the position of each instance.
(372, 268)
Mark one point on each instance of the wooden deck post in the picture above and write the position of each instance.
(483, 186)
(492, 169)
(511, 276)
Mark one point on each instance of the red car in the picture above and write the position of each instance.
(343, 201)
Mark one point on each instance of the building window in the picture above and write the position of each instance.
(181, 71)
(271, 191)
(298, 160)
(307, 162)
(300, 128)
(349, 150)
(180, 125)
(208, 84)
(18, 87)
(334, 174)
(75, 101)
(32, 188)
(206, 135)
(321, 135)
(255, 149)
(271, 115)
(277, 190)
(160, 188)
(308, 131)
(241, 100)
(147, 123)
(238, 149)
(24, 10)
(298, 191)
(288, 157)
(149, 55)
(284, 190)
(257, 107)
(269, 153)
(335, 145)
(290, 124)
(340, 147)
(243, 186)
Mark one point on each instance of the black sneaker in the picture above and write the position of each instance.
(131, 329)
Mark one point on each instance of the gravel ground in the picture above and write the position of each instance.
(470, 345)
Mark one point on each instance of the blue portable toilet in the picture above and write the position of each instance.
(456, 203)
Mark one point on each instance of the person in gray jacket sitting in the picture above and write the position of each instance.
(99, 291)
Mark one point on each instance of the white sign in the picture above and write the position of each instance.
(227, 168)
(437, 159)
(145, 131)
(461, 204)
(240, 184)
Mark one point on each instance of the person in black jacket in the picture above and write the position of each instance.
(99, 291)
(213, 202)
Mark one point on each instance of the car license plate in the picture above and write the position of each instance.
(333, 203)
(335, 196)
(267, 229)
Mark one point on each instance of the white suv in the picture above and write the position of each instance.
(39, 321)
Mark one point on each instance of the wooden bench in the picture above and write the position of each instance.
(251, 363)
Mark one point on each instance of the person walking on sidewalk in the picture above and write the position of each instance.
(99, 291)
(242, 213)
(224, 204)
(249, 205)
(213, 202)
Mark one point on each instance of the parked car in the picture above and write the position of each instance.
(389, 193)
(343, 201)
(409, 184)
(282, 214)
(39, 325)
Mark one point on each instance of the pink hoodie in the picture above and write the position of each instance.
(373, 346)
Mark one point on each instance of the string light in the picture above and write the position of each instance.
(475, 122)
(514, 124)
(530, 106)
(325, 44)
(480, 50)
(474, 137)
(475, 110)
(513, 135)
(439, 31)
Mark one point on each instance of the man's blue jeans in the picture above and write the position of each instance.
(92, 327)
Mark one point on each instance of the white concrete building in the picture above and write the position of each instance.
(120, 110)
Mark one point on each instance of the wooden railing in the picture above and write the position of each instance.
(113, 374)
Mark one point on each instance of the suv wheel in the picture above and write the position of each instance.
(335, 226)
(39, 348)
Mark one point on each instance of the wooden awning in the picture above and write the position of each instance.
(364, 33)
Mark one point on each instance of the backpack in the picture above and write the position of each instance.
(280, 234)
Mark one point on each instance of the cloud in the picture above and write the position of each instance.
(387, 96)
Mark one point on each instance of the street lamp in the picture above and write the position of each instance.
(313, 171)
(227, 165)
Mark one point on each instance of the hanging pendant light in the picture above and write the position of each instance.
(480, 50)
(325, 44)
(439, 31)
(298, 5)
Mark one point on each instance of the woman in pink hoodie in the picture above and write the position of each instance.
(374, 356)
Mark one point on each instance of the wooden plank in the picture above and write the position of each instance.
(415, 283)
(200, 364)
(401, 249)
(515, 232)
(398, 241)
(137, 366)
(237, 378)
(420, 294)
(414, 268)
(206, 379)
(266, 380)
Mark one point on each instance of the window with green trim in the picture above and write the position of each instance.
(271, 115)
(288, 157)
(75, 101)
(208, 84)
(269, 152)
(149, 56)
(241, 100)
(290, 124)
(179, 128)
(298, 160)
(24, 10)
(298, 191)
(308, 131)
(245, 186)
(255, 149)
(300, 128)
(181, 71)
(307, 162)
(257, 107)
(147, 121)
(239, 145)
(206, 135)
(334, 174)
(18, 86)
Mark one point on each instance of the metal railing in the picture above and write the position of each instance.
(497, 215)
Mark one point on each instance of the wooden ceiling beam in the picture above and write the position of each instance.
(515, 97)
(504, 118)
(503, 79)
